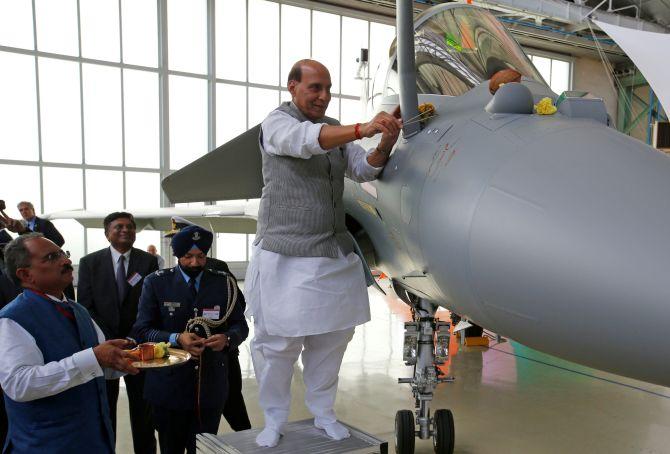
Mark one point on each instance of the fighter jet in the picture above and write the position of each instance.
(547, 229)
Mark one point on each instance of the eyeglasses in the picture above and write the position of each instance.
(56, 256)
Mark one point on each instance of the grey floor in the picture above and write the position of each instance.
(506, 399)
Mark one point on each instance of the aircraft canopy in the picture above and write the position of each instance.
(460, 47)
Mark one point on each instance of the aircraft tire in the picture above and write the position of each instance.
(404, 432)
(443, 432)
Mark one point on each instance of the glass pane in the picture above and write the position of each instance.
(102, 114)
(18, 115)
(60, 111)
(263, 42)
(100, 29)
(147, 237)
(16, 24)
(543, 65)
(231, 247)
(294, 38)
(96, 239)
(104, 190)
(187, 35)
(352, 112)
(188, 120)
(231, 39)
(560, 76)
(140, 32)
(381, 36)
(261, 102)
(141, 118)
(63, 189)
(285, 96)
(73, 234)
(231, 112)
(20, 183)
(333, 110)
(142, 190)
(326, 44)
(57, 26)
(354, 38)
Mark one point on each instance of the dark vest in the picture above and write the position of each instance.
(301, 212)
(73, 421)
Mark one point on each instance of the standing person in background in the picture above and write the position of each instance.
(305, 285)
(235, 410)
(31, 223)
(110, 283)
(189, 399)
(151, 249)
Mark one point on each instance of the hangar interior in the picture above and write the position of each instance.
(102, 99)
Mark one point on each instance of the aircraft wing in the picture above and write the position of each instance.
(228, 217)
(230, 172)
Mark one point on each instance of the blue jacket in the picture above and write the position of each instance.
(76, 420)
(165, 307)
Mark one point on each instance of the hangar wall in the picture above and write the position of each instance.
(589, 75)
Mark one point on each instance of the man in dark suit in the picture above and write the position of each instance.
(201, 311)
(110, 283)
(235, 410)
(34, 224)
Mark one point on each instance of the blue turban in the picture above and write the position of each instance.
(190, 237)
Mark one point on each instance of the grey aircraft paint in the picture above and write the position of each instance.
(550, 230)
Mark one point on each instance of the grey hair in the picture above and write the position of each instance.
(18, 256)
(30, 204)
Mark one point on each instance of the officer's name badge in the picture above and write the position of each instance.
(171, 305)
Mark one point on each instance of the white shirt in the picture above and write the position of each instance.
(115, 260)
(283, 135)
(25, 377)
(302, 296)
(161, 261)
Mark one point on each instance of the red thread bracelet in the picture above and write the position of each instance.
(357, 131)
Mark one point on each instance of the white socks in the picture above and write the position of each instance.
(268, 438)
(335, 430)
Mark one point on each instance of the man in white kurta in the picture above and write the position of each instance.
(305, 286)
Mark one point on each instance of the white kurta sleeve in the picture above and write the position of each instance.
(25, 377)
(358, 168)
(284, 135)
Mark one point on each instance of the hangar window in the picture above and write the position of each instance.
(112, 95)
(556, 71)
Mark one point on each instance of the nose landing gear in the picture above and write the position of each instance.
(426, 347)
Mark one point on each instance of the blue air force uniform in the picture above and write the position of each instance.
(166, 305)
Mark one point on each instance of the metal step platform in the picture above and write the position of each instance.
(299, 437)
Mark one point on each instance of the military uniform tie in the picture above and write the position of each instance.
(191, 286)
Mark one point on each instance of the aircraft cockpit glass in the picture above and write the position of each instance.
(458, 48)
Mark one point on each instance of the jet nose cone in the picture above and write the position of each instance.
(569, 244)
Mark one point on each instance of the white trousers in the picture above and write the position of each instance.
(274, 357)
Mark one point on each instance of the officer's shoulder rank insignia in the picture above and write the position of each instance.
(219, 272)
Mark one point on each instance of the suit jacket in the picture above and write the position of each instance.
(97, 290)
(5, 237)
(50, 232)
(8, 290)
(165, 307)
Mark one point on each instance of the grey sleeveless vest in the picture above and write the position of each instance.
(301, 212)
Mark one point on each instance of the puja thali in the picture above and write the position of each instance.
(176, 357)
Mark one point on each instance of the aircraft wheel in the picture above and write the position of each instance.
(443, 432)
(404, 432)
